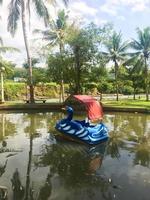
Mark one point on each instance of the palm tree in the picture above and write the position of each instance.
(142, 54)
(135, 74)
(56, 35)
(19, 9)
(4, 66)
(2, 69)
(116, 52)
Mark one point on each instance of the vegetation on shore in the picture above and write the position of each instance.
(127, 103)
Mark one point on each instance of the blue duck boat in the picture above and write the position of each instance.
(82, 130)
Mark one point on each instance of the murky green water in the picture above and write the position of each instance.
(35, 165)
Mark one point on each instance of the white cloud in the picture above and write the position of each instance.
(81, 11)
(80, 7)
(109, 9)
(99, 21)
(112, 7)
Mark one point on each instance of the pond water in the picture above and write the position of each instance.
(35, 164)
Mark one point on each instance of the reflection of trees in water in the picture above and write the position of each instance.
(7, 127)
(18, 189)
(34, 122)
(75, 165)
(130, 128)
(3, 168)
(40, 121)
(26, 192)
(142, 154)
(46, 189)
(115, 142)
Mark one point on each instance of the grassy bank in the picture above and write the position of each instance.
(127, 103)
(110, 105)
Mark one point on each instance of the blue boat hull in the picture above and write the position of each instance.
(84, 132)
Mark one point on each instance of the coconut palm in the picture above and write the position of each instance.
(142, 54)
(2, 69)
(56, 35)
(4, 66)
(19, 9)
(116, 52)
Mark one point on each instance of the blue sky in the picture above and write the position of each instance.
(126, 15)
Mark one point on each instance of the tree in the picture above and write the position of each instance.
(116, 52)
(56, 35)
(19, 9)
(142, 54)
(135, 74)
(4, 66)
(84, 45)
(82, 50)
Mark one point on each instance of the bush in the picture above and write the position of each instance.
(17, 90)
(14, 91)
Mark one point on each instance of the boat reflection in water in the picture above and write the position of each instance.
(93, 154)
(76, 167)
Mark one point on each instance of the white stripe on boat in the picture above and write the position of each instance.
(86, 138)
(83, 134)
(80, 131)
(63, 125)
(66, 128)
(71, 131)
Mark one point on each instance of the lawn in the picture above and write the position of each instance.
(127, 103)
(122, 103)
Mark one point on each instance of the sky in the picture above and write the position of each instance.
(125, 15)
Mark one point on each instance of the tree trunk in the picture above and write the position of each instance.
(134, 94)
(116, 79)
(2, 88)
(27, 51)
(146, 81)
(62, 75)
(77, 63)
(29, 169)
(32, 130)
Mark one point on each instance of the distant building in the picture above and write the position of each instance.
(19, 79)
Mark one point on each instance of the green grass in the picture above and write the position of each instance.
(128, 103)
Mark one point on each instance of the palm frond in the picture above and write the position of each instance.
(4, 49)
(144, 37)
(133, 54)
(136, 45)
(138, 65)
(14, 15)
(132, 60)
(123, 47)
(47, 35)
(116, 40)
(41, 10)
(140, 37)
(39, 31)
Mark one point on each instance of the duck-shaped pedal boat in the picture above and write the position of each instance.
(82, 130)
